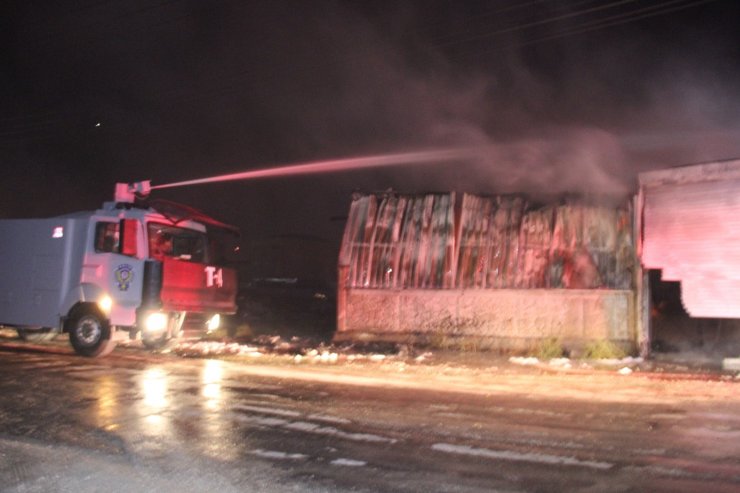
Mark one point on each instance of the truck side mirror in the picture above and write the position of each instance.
(127, 241)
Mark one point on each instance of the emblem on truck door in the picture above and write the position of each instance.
(214, 276)
(124, 275)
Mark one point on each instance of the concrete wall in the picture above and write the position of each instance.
(494, 318)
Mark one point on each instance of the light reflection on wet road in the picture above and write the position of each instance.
(228, 428)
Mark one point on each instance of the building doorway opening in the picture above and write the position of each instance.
(674, 332)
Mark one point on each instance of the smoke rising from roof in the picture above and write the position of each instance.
(573, 116)
(186, 89)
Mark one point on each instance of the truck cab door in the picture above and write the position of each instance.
(112, 267)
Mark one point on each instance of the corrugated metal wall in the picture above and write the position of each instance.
(445, 241)
(691, 231)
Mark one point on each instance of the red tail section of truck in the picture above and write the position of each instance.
(197, 288)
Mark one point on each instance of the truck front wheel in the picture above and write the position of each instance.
(89, 332)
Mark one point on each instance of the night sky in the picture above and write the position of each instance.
(567, 96)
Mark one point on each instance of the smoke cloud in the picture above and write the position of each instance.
(188, 89)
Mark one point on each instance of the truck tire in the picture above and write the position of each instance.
(36, 335)
(89, 332)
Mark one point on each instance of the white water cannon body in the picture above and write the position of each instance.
(127, 192)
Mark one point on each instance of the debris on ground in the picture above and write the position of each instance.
(299, 350)
(561, 362)
(304, 351)
(524, 361)
(627, 364)
(307, 351)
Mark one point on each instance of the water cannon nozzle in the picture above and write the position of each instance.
(127, 192)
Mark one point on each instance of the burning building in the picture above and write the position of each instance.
(495, 271)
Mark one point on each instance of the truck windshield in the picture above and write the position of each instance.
(179, 243)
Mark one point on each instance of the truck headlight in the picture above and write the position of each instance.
(105, 303)
(213, 323)
(155, 322)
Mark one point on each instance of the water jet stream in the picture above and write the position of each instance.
(329, 166)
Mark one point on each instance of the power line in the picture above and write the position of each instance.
(232, 80)
(425, 26)
(654, 10)
(453, 36)
(232, 86)
(537, 23)
(615, 20)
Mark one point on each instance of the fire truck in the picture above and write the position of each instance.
(136, 268)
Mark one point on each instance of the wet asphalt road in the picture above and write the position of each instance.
(141, 422)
